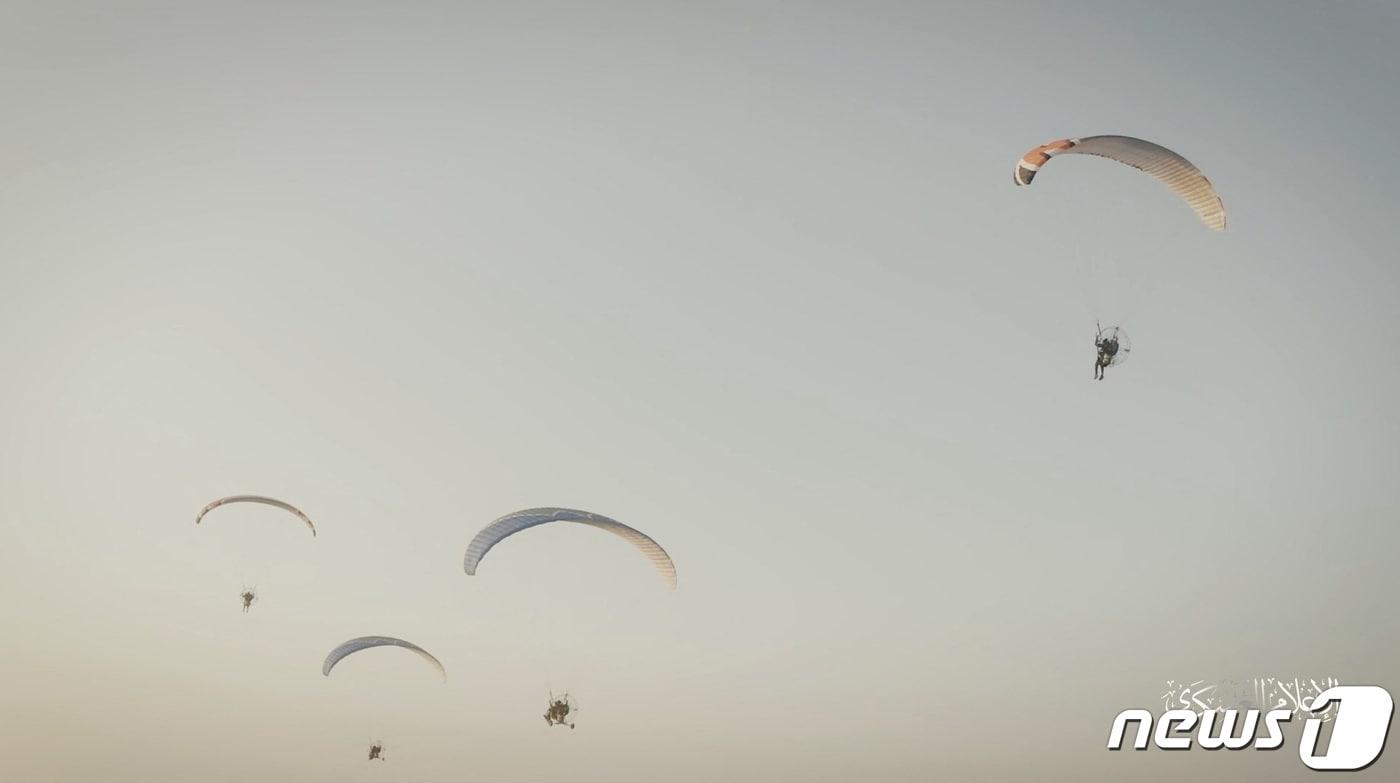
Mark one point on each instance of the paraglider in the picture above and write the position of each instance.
(367, 642)
(1112, 347)
(511, 524)
(360, 643)
(285, 506)
(559, 711)
(250, 596)
(1177, 172)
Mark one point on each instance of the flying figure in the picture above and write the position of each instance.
(376, 751)
(557, 714)
(249, 595)
(1113, 347)
(1108, 348)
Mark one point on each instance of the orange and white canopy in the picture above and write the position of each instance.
(1177, 172)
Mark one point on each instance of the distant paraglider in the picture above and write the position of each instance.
(560, 711)
(1112, 347)
(360, 643)
(511, 524)
(250, 596)
(367, 642)
(285, 506)
(1177, 172)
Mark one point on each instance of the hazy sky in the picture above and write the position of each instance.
(752, 277)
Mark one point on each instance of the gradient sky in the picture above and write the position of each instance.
(752, 277)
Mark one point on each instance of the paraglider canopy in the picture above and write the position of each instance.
(355, 645)
(1166, 166)
(513, 523)
(274, 502)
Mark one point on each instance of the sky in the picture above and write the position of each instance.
(751, 277)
